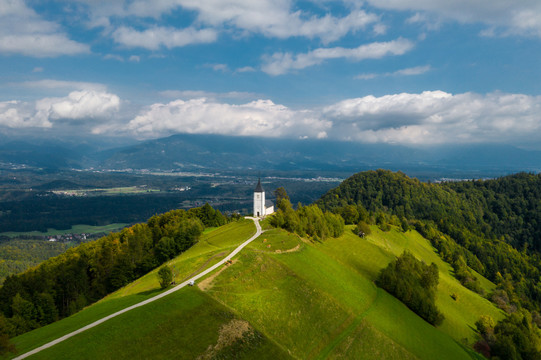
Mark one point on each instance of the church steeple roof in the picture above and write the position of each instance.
(259, 188)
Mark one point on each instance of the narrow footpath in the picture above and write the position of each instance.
(142, 303)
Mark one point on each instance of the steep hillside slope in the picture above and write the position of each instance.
(281, 297)
(494, 225)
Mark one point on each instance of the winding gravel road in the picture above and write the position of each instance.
(142, 303)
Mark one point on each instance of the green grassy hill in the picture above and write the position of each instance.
(282, 297)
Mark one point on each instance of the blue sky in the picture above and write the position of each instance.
(411, 72)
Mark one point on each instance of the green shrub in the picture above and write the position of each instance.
(363, 229)
(165, 276)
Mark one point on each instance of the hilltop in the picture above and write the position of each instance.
(282, 297)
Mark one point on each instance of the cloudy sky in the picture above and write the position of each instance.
(409, 72)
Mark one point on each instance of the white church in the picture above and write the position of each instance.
(261, 207)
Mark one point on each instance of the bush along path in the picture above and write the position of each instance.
(142, 303)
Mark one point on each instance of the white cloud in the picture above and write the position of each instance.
(278, 19)
(75, 108)
(78, 105)
(271, 18)
(199, 116)
(114, 57)
(15, 114)
(430, 117)
(427, 118)
(245, 69)
(430, 22)
(156, 37)
(417, 70)
(513, 17)
(368, 76)
(282, 63)
(22, 31)
(217, 67)
(380, 29)
(437, 117)
(135, 58)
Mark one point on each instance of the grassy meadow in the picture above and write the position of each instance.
(282, 297)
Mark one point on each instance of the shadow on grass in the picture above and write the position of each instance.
(154, 291)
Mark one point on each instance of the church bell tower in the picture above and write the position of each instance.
(259, 200)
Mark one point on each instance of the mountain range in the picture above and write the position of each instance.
(186, 152)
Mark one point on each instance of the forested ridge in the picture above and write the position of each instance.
(496, 223)
(490, 226)
(84, 274)
(508, 208)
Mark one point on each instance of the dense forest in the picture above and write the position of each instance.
(20, 254)
(508, 208)
(84, 274)
(57, 212)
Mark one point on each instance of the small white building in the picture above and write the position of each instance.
(262, 207)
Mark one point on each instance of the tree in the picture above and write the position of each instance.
(363, 229)
(165, 276)
(485, 325)
(280, 194)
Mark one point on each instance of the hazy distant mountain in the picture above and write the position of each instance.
(222, 152)
(54, 153)
(40, 154)
(215, 152)
(191, 152)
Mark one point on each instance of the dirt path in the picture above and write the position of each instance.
(296, 248)
(207, 283)
(152, 299)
